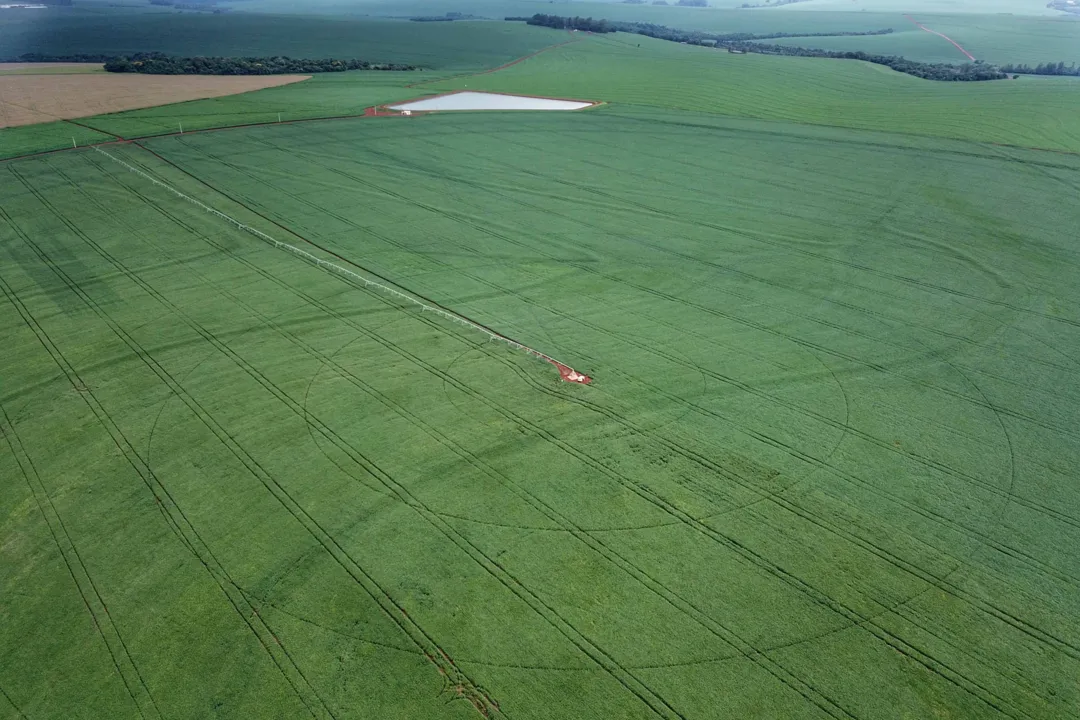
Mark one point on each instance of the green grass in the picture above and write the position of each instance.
(825, 466)
(1003, 39)
(995, 39)
(29, 139)
(914, 43)
(1038, 112)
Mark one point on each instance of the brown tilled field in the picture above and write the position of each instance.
(29, 99)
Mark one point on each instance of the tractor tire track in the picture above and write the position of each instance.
(891, 448)
(845, 427)
(917, 655)
(88, 590)
(1039, 564)
(743, 647)
(719, 266)
(484, 704)
(589, 190)
(185, 530)
(397, 615)
(11, 702)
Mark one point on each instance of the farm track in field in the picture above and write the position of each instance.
(994, 611)
(394, 612)
(552, 513)
(598, 655)
(750, 652)
(976, 694)
(175, 517)
(726, 380)
(1008, 493)
(398, 161)
(957, 45)
(84, 583)
(657, 703)
(829, 445)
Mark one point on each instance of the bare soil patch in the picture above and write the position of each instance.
(30, 99)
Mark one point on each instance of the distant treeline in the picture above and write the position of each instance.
(747, 43)
(1059, 68)
(448, 17)
(662, 32)
(161, 64)
(202, 5)
(574, 23)
(40, 58)
(771, 3)
(928, 71)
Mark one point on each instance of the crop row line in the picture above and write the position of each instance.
(565, 370)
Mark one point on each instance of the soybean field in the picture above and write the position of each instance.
(825, 467)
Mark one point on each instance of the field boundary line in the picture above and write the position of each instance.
(935, 32)
(566, 372)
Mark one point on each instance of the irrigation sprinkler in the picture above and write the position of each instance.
(566, 372)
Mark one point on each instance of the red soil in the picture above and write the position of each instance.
(568, 373)
(935, 32)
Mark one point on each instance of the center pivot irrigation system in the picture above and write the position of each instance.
(566, 372)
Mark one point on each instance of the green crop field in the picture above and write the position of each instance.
(29, 139)
(1032, 111)
(273, 443)
(996, 39)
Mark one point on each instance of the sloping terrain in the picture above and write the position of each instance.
(825, 467)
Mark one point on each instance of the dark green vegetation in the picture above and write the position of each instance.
(969, 72)
(747, 43)
(662, 32)
(1058, 68)
(825, 469)
(161, 64)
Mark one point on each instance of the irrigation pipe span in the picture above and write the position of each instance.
(565, 371)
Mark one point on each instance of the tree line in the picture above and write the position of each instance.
(662, 32)
(573, 23)
(161, 64)
(975, 71)
(750, 43)
(1058, 68)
